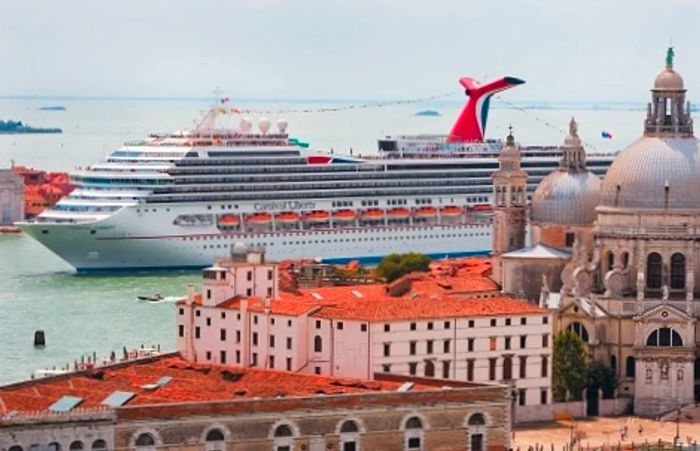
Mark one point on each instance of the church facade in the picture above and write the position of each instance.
(627, 287)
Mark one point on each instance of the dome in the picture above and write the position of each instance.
(566, 198)
(668, 80)
(645, 169)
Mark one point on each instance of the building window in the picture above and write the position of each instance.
(272, 361)
(386, 368)
(255, 319)
(208, 294)
(413, 326)
(430, 326)
(197, 313)
(523, 321)
(349, 436)
(317, 370)
(545, 340)
(196, 332)
(387, 328)
(545, 320)
(470, 344)
(145, 440)
(255, 338)
(363, 327)
(492, 369)
(613, 363)
(507, 321)
(340, 325)
(249, 276)
(523, 341)
(254, 361)
(544, 371)
(664, 337)
(507, 343)
(569, 238)
(677, 271)
(318, 344)
(523, 367)
(477, 430)
(470, 370)
(471, 323)
(269, 274)
(429, 369)
(289, 342)
(238, 336)
(654, 271)
(181, 330)
(283, 438)
(208, 321)
(507, 368)
(222, 357)
(630, 365)
(446, 346)
(289, 364)
(222, 334)
(289, 323)
(74, 446)
(412, 347)
(413, 435)
(543, 397)
(96, 445)
(238, 356)
(492, 343)
(412, 368)
(580, 330)
(447, 324)
(387, 349)
(521, 397)
(223, 315)
(429, 347)
(318, 324)
(446, 369)
(272, 341)
(493, 322)
(182, 311)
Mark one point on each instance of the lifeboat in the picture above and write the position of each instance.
(373, 214)
(483, 208)
(426, 212)
(344, 215)
(287, 217)
(229, 220)
(317, 216)
(399, 213)
(259, 218)
(451, 211)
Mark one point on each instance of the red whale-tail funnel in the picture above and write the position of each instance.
(471, 123)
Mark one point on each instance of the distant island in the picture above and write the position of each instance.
(431, 113)
(9, 127)
(52, 108)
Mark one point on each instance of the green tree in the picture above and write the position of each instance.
(601, 376)
(394, 266)
(569, 366)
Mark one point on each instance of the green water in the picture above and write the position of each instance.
(79, 314)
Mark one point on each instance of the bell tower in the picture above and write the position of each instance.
(510, 201)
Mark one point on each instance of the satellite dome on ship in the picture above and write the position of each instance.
(570, 194)
(660, 170)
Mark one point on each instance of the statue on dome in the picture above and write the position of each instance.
(573, 127)
(669, 57)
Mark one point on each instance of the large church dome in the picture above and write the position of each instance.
(570, 194)
(661, 170)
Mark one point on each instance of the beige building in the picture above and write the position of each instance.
(11, 197)
(629, 288)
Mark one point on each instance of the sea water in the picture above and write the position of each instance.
(82, 315)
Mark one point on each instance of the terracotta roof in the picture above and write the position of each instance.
(190, 382)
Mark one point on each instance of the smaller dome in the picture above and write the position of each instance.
(566, 198)
(668, 80)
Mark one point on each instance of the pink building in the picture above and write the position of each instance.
(444, 326)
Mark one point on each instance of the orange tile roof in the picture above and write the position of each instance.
(191, 382)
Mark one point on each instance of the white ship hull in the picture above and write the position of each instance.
(134, 239)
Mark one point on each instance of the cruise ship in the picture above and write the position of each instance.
(180, 200)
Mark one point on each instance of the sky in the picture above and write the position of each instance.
(566, 50)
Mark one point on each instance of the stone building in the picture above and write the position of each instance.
(11, 197)
(167, 403)
(629, 288)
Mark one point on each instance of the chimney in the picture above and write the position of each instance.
(190, 294)
(399, 287)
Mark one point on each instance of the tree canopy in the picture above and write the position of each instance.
(601, 376)
(569, 366)
(394, 266)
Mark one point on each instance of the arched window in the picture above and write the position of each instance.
(507, 368)
(15, 448)
(283, 437)
(664, 336)
(55, 446)
(630, 366)
(99, 445)
(613, 363)
(610, 260)
(429, 370)
(625, 259)
(414, 434)
(654, 271)
(318, 344)
(76, 446)
(349, 436)
(215, 435)
(145, 442)
(677, 271)
(580, 330)
(477, 429)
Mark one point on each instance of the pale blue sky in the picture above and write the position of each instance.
(566, 50)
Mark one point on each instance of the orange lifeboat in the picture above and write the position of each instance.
(399, 213)
(287, 217)
(344, 215)
(229, 220)
(259, 218)
(317, 216)
(426, 212)
(451, 211)
(483, 208)
(373, 214)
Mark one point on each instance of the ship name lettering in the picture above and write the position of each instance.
(285, 205)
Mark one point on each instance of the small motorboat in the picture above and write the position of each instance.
(154, 298)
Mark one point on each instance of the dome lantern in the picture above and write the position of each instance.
(668, 114)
